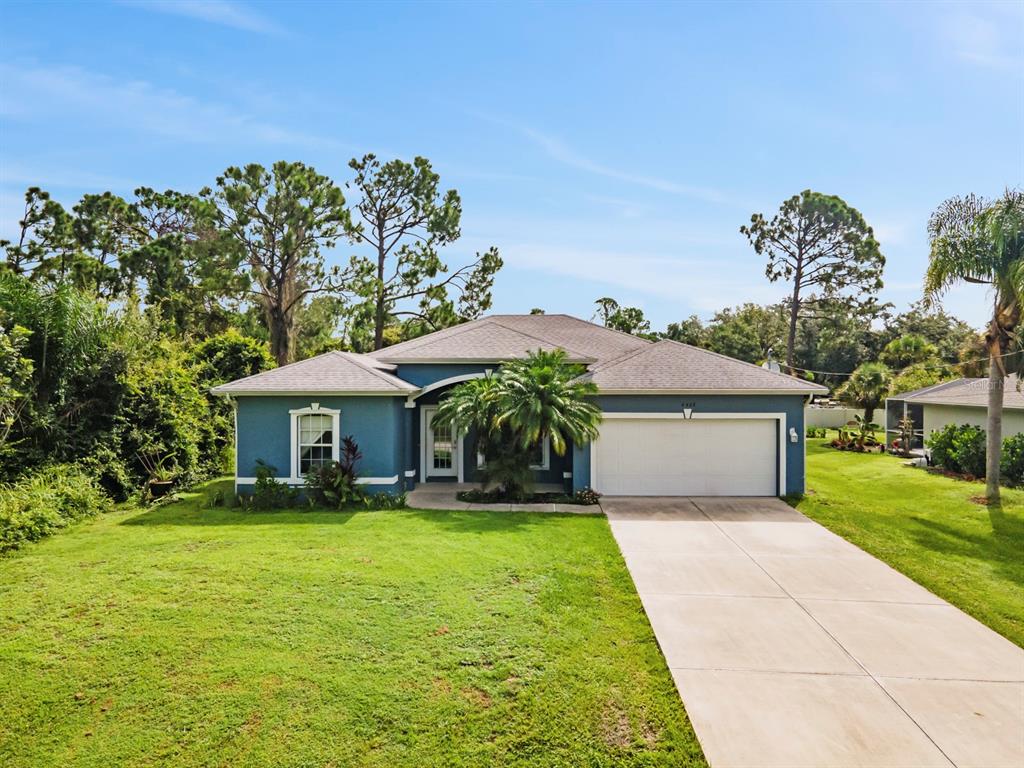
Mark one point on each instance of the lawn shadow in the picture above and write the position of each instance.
(486, 521)
(1003, 547)
(183, 513)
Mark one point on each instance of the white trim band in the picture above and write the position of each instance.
(302, 481)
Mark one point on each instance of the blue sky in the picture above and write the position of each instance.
(606, 149)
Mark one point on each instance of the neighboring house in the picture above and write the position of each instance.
(678, 420)
(962, 401)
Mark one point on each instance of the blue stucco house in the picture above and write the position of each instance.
(678, 420)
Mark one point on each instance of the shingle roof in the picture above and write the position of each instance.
(506, 337)
(675, 367)
(619, 362)
(327, 373)
(969, 392)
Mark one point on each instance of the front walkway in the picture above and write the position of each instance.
(792, 647)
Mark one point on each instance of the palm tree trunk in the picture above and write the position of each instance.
(994, 432)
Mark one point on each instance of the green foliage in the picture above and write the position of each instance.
(1011, 463)
(268, 493)
(908, 350)
(626, 319)
(15, 381)
(918, 377)
(230, 355)
(824, 249)
(959, 449)
(748, 332)
(46, 501)
(867, 388)
(525, 402)
(68, 365)
(291, 636)
(334, 484)
(905, 442)
(931, 323)
(280, 220)
(689, 331)
(975, 240)
(384, 501)
(164, 415)
(405, 219)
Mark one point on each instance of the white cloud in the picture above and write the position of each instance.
(223, 12)
(561, 152)
(75, 95)
(987, 35)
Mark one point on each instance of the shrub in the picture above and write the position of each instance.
(959, 449)
(1011, 465)
(47, 501)
(334, 484)
(164, 414)
(384, 500)
(268, 493)
(587, 496)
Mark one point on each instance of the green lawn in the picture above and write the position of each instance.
(928, 527)
(193, 636)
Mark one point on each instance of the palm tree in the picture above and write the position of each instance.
(974, 240)
(524, 403)
(543, 397)
(867, 388)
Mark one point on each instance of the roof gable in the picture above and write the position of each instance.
(481, 340)
(328, 373)
(507, 337)
(674, 367)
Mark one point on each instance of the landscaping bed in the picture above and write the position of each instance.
(477, 496)
(189, 636)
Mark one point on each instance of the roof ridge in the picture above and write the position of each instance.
(603, 327)
(420, 341)
(621, 358)
(546, 341)
(382, 375)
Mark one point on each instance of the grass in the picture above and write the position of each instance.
(200, 637)
(928, 527)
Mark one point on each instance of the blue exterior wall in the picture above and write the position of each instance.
(425, 374)
(791, 405)
(375, 423)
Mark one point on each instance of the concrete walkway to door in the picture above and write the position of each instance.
(792, 647)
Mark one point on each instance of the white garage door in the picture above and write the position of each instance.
(692, 457)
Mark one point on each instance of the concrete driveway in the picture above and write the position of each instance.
(792, 647)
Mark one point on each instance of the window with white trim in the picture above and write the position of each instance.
(315, 439)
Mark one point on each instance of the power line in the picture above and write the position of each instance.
(925, 366)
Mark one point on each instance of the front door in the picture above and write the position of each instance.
(442, 455)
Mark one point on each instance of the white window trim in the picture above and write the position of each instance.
(295, 477)
(779, 417)
(545, 463)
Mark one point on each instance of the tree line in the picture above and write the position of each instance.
(249, 252)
